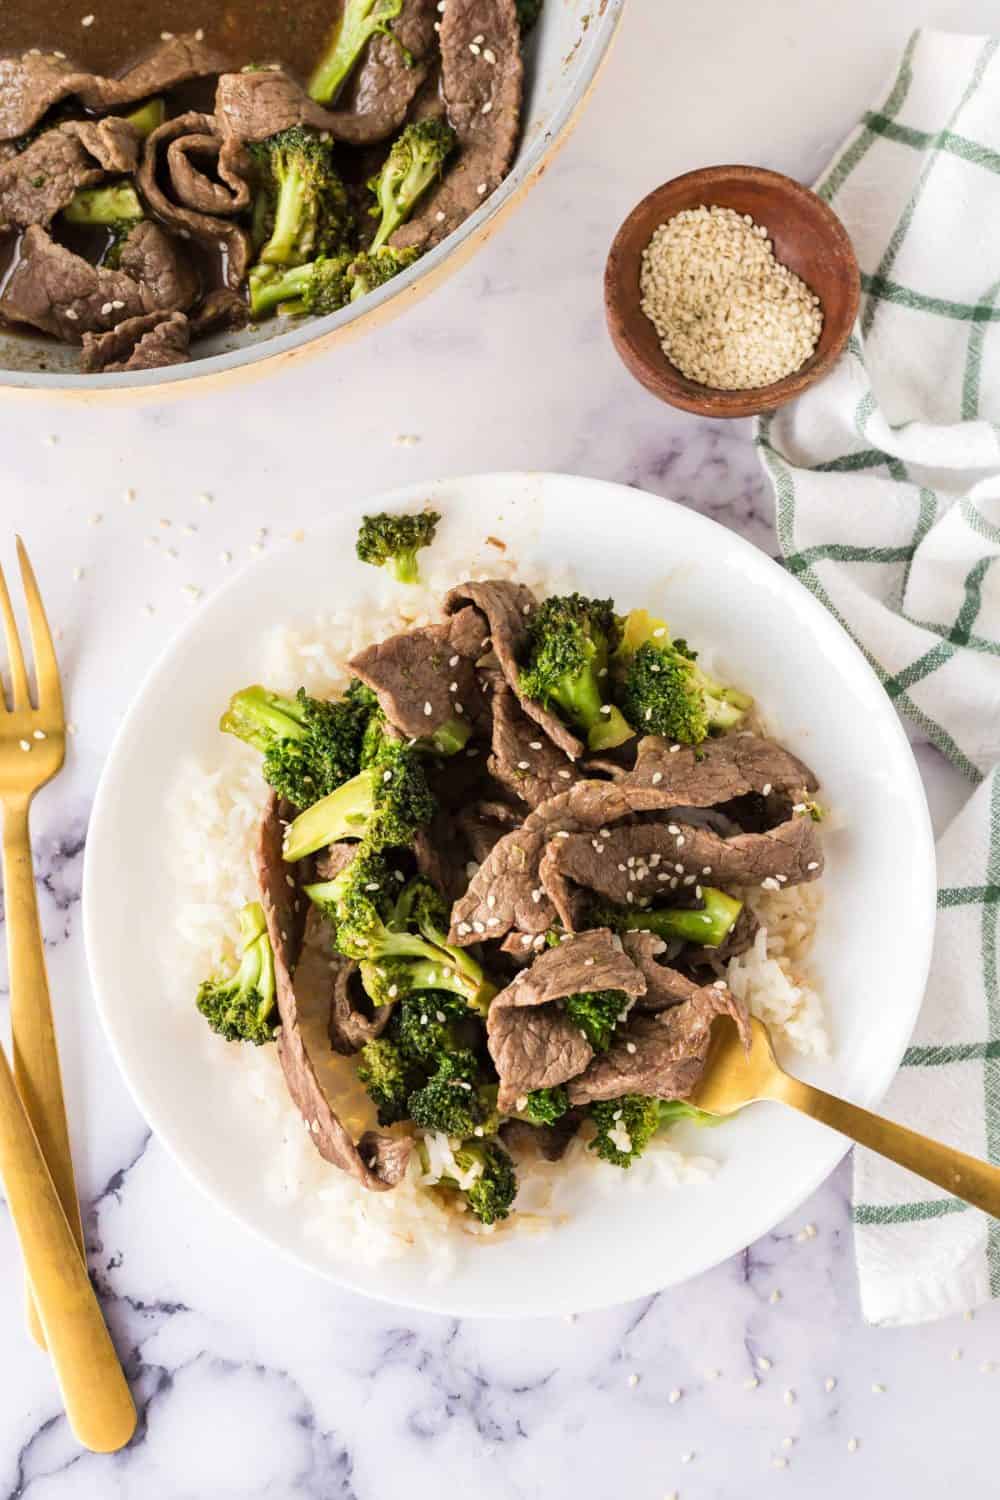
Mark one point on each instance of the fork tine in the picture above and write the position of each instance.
(46, 665)
(15, 656)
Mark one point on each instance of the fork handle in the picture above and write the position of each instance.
(976, 1182)
(96, 1395)
(36, 1055)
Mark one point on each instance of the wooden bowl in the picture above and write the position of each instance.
(807, 237)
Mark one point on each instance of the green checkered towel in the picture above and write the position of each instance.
(887, 489)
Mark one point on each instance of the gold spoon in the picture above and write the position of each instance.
(734, 1078)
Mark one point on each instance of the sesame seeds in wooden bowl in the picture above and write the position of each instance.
(749, 280)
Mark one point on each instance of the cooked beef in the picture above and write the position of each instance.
(551, 1142)
(386, 83)
(252, 106)
(30, 85)
(39, 182)
(482, 84)
(157, 263)
(421, 677)
(325, 981)
(483, 824)
(149, 342)
(440, 857)
(740, 938)
(163, 168)
(532, 1042)
(661, 1054)
(334, 859)
(714, 772)
(664, 854)
(524, 760)
(204, 178)
(664, 986)
(61, 293)
(378, 1161)
(221, 311)
(507, 608)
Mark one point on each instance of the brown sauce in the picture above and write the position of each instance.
(293, 32)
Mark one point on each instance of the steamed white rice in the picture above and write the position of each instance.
(213, 817)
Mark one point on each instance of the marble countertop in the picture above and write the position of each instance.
(253, 1378)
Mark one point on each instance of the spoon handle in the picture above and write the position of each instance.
(975, 1181)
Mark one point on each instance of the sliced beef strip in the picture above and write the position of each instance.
(508, 607)
(31, 84)
(484, 824)
(790, 854)
(661, 1055)
(61, 293)
(326, 981)
(221, 311)
(204, 179)
(183, 218)
(149, 342)
(439, 856)
(483, 99)
(334, 859)
(551, 1142)
(378, 1161)
(157, 263)
(714, 772)
(386, 83)
(252, 106)
(39, 182)
(507, 890)
(664, 986)
(420, 677)
(524, 759)
(532, 1042)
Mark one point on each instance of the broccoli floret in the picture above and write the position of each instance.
(708, 925)
(109, 206)
(239, 1007)
(305, 201)
(148, 117)
(544, 1106)
(375, 926)
(447, 739)
(310, 746)
(385, 805)
(528, 12)
(373, 268)
(625, 1126)
(428, 1024)
(495, 1189)
(393, 542)
(570, 641)
(597, 1013)
(388, 1079)
(360, 20)
(321, 286)
(663, 691)
(452, 1101)
(415, 159)
(423, 907)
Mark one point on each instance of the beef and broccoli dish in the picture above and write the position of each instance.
(268, 161)
(506, 872)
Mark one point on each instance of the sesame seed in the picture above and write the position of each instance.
(487, 107)
(428, 710)
(830, 1383)
(674, 749)
(630, 1048)
(751, 1384)
(38, 734)
(789, 1397)
(956, 1354)
(199, 35)
(106, 308)
(779, 1462)
(87, 21)
(475, 49)
(672, 828)
(987, 1367)
(633, 1380)
(463, 929)
(763, 1363)
(192, 590)
(481, 190)
(489, 56)
(775, 1296)
(166, 36)
(534, 744)
(877, 1389)
(853, 1445)
(77, 574)
(206, 499)
(225, 557)
(72, 314)
(478, 927)
(674, 1397)
(128, 496)
(25, 744)
(813, 864)
(657, 777)
(687, 1458)
(524, 765)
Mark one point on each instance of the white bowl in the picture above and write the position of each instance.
(563, 55)
(821, 698)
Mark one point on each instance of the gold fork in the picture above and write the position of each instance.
(32, 750)
(734, 1078)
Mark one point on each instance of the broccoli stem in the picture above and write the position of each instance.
(107, 205)
(709, 926)
(450, 737)
(344, 814)
(148, 117)
(360, 20)
(258, 717)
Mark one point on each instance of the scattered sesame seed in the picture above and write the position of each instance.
(763, 1363)
(779, 1462)
(956, 1354)
(633, 1380)
(775, 1296)
(206, 499)
(106, 309)
(765, 790)
(788, 1442)
(489, 56)
(199, 35)
(813, 864)
(481, 190)
(192, 590)
(830, 1383)
(674, 749)
(789, 1397)
(687, 1458)
(25, 744)
(524, 765)
(428, 710)
(877, 1389)
(70, 727)
(72, 314)
(148, 609)
(657, 777)
(225, 557)
(487, 108)
(77, 574)
(987, 1367)
(475, 49)
(95, 519)
(129, 496)
(712, 1374)
(853, 1445)
(39, 734)
(630, 1047)
(87, 21)
(751, 1384)
(968, 1315)
(675, 1394)
(166, 36)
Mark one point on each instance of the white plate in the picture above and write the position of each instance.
(772, 637)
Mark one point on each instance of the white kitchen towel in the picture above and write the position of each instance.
(887, 490)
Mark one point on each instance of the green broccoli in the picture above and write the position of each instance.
(447, 739)
(453, 1101)
(306, 203)
(388, 1079)
(109, 206)
(663, 691)
(625, 1126)
(570, 641)
(310, 746)
(528, 12)
(385, 805)
(360, 20)
(415, 159)
(544, 1106)
(423, 907)
(374, 925)
(321, 286)
(495, 1189)
(373, 268)
(597, 1013)
(240, 1007)
(427, 1024)
(147, 117)
(387, 541)
(708, 925)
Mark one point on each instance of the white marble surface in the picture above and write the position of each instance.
(254, 1379)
